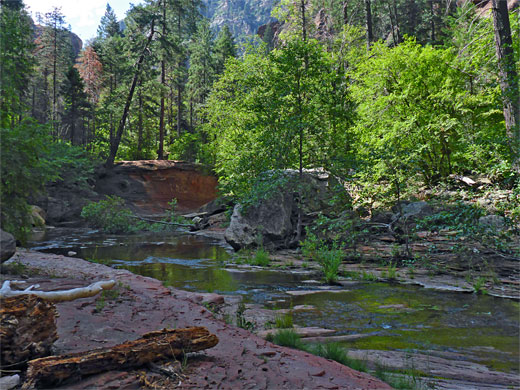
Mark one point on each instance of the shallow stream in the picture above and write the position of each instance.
(398, 317)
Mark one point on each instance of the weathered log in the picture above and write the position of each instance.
(57, 296)
(154, 346)
(27, 330)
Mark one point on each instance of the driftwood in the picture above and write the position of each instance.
(27, 330)
(154, 346)
(162, 222)
(56, 296)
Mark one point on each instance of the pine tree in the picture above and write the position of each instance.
(224, 48)
(108, 26)
(16, 61)
(75, 105)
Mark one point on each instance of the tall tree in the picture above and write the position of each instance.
(368, 23)
(225, 47)
(16, 61)
(117, 139)
(508, 76)
(108, 26)
(76, 105)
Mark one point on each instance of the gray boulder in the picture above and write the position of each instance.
(412, 211)
(492, 222)
(274, 219)
(7, 246)
(268, 222)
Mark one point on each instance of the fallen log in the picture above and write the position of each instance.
(154, 346)
(27, 330)
(56, 296)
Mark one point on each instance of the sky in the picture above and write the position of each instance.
(82, 15)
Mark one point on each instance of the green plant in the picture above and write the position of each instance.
(392, 271)
(261, 258)
(368, 276)
(330, 260)
(288, 338)
(478, 285)
(334, 351)
(100, 304)
(284, 321)
(241, 320)
(311, 244)
(110, 215)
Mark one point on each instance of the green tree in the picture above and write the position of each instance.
(16, 62)
(75, 106)
(224, 48)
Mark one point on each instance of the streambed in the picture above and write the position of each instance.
(460, 326)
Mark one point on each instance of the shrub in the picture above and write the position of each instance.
(288, 338)
(261, 258)
(284, 322)
(110, 215)
(330, 260)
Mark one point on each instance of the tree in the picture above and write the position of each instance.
(202, 65)
(108, 26)
(76, 104)
(16, 62)
(225, 48)
(507, 75)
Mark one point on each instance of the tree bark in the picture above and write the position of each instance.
(368, 20)
(27, 330)
(507, 75)
(154, 346)
(117, 139)
(160, 153)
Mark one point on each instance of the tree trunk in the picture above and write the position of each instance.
(304, 22)
(507, 75)
(140, 124)
(154, 346)
(432, 22)
(120, 129)
(163, 84)
(368, 14)
(345, 12)
(27, 330)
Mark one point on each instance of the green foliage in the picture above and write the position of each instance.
(285, 321)
(330, 261)
(241, 321)
(24, 169)
(457, 216)
(288, 338)
(110, 215)
(417, 117)
(261, 258)
(334, 351)
(311, 244)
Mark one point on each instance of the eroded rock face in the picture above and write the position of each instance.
(149, 185)
(7, 246)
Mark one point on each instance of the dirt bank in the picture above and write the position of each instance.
(241, 360)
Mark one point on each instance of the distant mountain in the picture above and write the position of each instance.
(243, 17)
(75, 41)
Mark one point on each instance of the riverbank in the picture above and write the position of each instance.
(141, 304)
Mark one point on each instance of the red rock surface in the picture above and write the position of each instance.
(241, 360)
(150, 184)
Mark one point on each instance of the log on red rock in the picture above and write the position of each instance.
(153, 346)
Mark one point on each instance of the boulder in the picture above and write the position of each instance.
(412, 211)
(273, 219)
(268, 223)
(492, 222)
(7, 246)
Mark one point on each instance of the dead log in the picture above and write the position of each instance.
(154, 346)
(56, 296)
(27, 330)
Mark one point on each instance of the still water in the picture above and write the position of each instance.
(399, 317)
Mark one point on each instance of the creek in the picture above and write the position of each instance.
(477, 328)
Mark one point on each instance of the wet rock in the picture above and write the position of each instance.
(7, 246)
(492, 222)
(9, 382)
(297, 293)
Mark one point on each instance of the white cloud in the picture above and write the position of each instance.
(82, 15)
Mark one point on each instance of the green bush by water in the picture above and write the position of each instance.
(330, 260)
